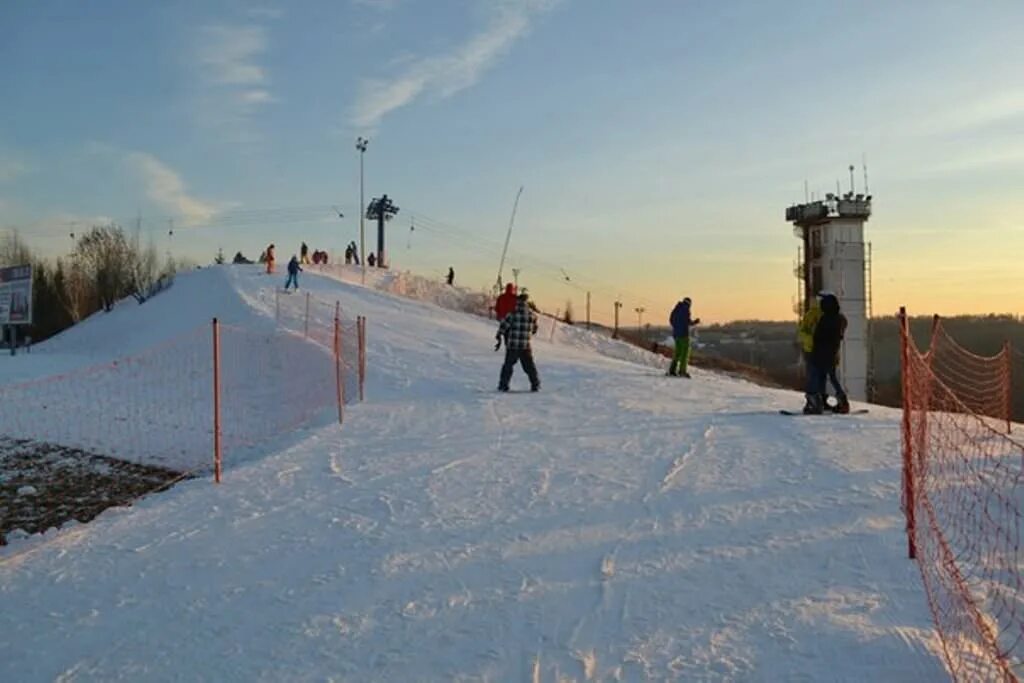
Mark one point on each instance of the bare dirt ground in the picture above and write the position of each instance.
(45, 485)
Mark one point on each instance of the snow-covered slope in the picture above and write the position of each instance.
(619, 525)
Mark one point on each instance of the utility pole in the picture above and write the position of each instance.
(639, 320)
(615, 332)
(588, 310)
(361, 144)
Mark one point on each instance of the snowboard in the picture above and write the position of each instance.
(511, 391)
(800, 413)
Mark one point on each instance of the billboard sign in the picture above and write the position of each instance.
(16, 295)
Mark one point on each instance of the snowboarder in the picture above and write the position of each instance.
(304, 254)
(842, 405)
(516, 330)
(293, 274)
(506, 303)
(270, 260)
(451, 276)
(823, 354)
(681, 322)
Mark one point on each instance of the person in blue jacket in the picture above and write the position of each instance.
(681, 322)
(293, 274)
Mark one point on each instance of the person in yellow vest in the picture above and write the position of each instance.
(813, 377)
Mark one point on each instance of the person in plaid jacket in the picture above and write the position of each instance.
(516, 329)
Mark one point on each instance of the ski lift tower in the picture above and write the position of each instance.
(834, 257)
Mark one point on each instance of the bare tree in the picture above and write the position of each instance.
(107, 259)
(14, 251)
(74, 290)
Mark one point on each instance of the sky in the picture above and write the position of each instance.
(657, 143)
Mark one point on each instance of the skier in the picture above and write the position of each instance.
(355, 253)
(823, 355)
(293, 274)
(451, 276)
(506, 303)
(516, 329)
(304, 254)
(681, 322)
(270, 260)
(348, 255)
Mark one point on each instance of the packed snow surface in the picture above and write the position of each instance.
(619, 525)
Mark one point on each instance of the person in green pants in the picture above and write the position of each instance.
(681, 321)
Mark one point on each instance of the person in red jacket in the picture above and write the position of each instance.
(506, 303)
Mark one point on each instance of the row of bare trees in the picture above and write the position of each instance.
(104, 267)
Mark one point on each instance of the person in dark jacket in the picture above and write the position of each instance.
(681, 322)
(516, 329)
(828, 334)
(293, 274)
(842, 402)
(451, 276)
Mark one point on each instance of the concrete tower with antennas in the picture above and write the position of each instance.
(834, 257)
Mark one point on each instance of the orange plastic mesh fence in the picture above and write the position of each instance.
(963, 496)
(312, 318)
(152, 408)
(982, 383)
(156, 408)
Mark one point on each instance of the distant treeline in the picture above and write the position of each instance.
(104, 267)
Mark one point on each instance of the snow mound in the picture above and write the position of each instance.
(195, 298)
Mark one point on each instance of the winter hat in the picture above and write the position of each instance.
(825, 292)
(686, 300)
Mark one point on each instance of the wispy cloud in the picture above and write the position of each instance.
(382, 5)
(235, 82)
(1006, 105)
(166, 189)
(444, 75)
(11, 169)
(265, 12)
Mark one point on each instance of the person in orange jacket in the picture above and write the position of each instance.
(270, 260)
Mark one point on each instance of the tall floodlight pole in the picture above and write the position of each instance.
(639, 320)
(361, 144)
